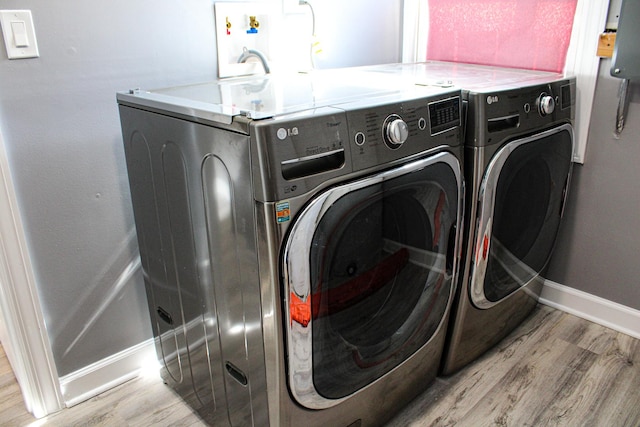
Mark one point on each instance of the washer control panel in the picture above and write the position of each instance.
(303, 150)
(384, 133)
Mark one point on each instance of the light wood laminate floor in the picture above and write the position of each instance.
(554, 370)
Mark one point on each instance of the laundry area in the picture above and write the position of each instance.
(287, 213)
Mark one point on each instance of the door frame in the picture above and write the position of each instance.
(22, 327)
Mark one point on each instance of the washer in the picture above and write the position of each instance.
(299, 240)
(518, 162)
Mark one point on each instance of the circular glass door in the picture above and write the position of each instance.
(521, 206)
(368, 276)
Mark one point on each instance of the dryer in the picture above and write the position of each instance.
(518, 162)
(299, 239)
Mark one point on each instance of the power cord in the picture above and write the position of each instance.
(314, 48)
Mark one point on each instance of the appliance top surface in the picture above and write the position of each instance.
(469, 77)
(271, 95)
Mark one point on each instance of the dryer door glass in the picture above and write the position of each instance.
(379, 265)
(529, 183)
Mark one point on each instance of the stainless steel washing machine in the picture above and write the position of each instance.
(299, 241)
(518, 161)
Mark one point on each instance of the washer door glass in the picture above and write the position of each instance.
(368, 275)
(523, 199)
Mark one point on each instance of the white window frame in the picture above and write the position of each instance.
(589, 22)
(582, 62)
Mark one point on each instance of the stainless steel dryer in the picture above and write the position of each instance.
(298, 237)
(518, 161)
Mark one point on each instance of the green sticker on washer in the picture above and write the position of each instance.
(283, 213)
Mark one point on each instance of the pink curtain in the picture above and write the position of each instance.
(531, 34)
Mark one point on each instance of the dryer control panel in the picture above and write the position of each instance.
(495, 116)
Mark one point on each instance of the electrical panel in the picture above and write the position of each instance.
(626, 54)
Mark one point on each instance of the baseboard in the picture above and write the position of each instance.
(593, 308)
(107, 373)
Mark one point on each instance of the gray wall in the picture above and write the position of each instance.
(60, 124)
(598, 249)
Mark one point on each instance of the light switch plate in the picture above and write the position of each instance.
(19, 34)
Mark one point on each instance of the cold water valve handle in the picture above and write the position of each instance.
(254, 24)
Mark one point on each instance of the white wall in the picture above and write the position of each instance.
(358, 32)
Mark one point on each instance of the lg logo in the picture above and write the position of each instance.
(282, 133)
(492, 99)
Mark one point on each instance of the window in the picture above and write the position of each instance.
(531, 34)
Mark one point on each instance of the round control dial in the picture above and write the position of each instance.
(394, 131)
(546, 104)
